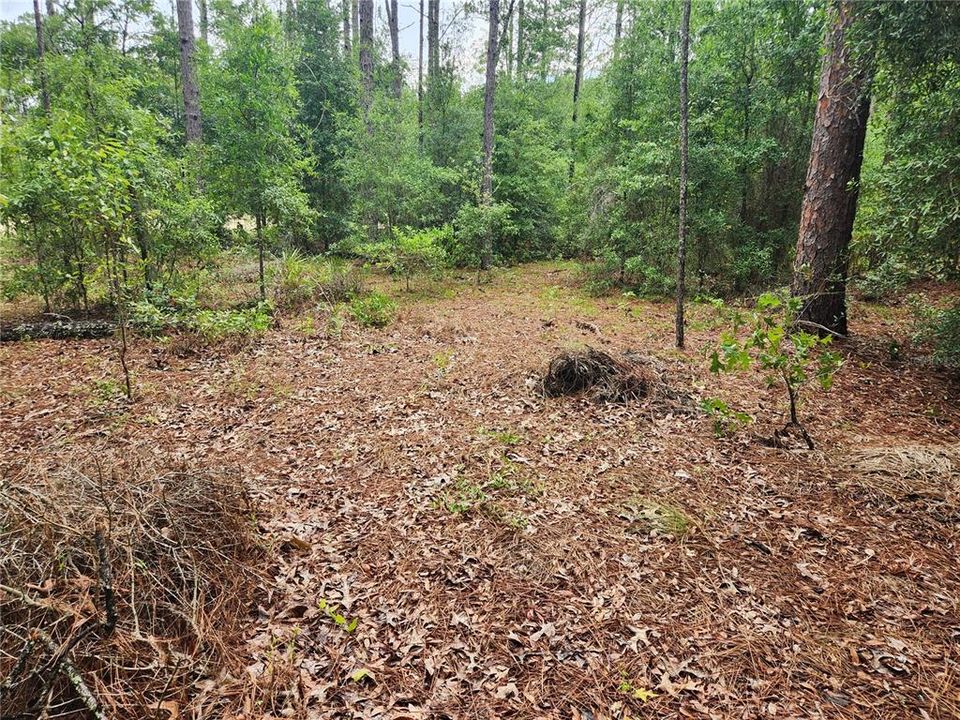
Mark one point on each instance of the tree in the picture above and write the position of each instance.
(393, 21)
(366, 50)
(684, 122)
(578, 78)
(257, 160)
(188, 73)
(433, 39)
(44, 92)
(345, 10)
(420, 82)
(833, 174)
(490, 87)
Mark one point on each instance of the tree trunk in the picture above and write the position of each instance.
(521, 46)
(260, 251)
(618, 27)
(51, 8)
(577, 80)
(486, 188)
(433, 38)
(41, 68)
(393, 21)
(833, 175)
(355, 21)
(420, 84)
(188, 75)
(204, 20)
(684, 121)
(545, 10)
(508, 37)
(366, 51)
(345, 10)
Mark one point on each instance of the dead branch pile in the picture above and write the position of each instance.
(122, 587)
(606, 378)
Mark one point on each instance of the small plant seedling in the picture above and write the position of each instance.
(790, 356)
(339, 620)
(726, 420)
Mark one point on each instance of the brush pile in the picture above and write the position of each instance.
(604, 377)
(123, 587)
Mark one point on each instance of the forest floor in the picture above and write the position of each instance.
(494, 553)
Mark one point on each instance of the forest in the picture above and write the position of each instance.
(574, 359)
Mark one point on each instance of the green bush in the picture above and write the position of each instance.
(939, 327)
(209, 326)
(373, 310)
(410, 252)
(472, 225)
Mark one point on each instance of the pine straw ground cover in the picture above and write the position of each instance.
(451, 543)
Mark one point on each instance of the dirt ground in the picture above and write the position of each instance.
(450, 544)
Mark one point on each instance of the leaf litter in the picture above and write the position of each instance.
(496, 553)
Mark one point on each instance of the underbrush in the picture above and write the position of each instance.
(125, 587)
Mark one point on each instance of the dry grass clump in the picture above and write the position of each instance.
(905, 473)
(122, 586)
(606, 378)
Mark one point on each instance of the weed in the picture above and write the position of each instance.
(443, 359)
(373, 310)
(339, 619)
(107, 390)
(726, 421)
(505, 437)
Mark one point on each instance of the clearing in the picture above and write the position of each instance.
(446, 542)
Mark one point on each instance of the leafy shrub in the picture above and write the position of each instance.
(790, 356)
(886, 280)
(209, 326)
(940, 327)
(411, 252)
(726, 420)
(472, 225)
(373, 310)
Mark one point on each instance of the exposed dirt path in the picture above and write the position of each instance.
(503, 555)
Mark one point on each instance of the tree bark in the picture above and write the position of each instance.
(345, 11)
(365, 12)
(188, 75)
(577, 80)
(433, 38)
(41, 59)
(486, 188)
(618, 27)
(204, 21)
(684, 121)
(521, 46)
(420, 84)
(393, 21)
(545, 14)
(355, 21)
(833, 175)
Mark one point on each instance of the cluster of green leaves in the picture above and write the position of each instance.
(409, 252)
(373, 310)
(209, 326)
(773, 342)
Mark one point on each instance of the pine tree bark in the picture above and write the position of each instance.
(433, 38)
(393, 21)
(188, 75)
(577, 80)
(345, 12)
(420, 84)
(833, 175)
(204, 20)
(365, 12)
(41, 57)
(521, 46)
(355, 21)
(618, 27)
(490, 88)
(684, 122)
